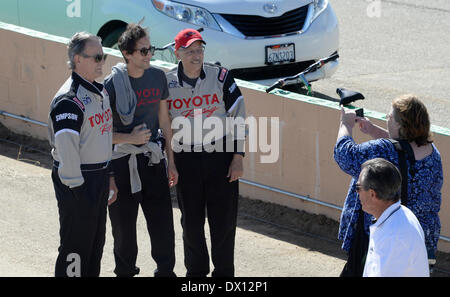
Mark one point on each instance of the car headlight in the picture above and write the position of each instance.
(319, 7)
(187, 13)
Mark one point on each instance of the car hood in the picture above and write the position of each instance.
(248, 7)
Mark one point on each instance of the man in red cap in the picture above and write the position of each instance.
(209, 168)
(186, 37)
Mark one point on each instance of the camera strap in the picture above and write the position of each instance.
(404, 151)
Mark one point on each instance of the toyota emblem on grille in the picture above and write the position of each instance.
(270, 8)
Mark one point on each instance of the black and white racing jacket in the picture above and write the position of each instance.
(80, 129)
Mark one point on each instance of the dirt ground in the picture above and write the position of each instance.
(271, 240)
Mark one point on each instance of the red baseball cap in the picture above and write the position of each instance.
(186, 37)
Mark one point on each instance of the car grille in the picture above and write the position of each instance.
(252, 25)
(272, 71)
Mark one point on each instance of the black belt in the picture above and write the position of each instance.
(224, 141)
(87, 167)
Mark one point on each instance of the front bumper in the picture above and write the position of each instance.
(246, 56)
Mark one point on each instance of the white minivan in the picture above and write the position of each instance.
(256, 39)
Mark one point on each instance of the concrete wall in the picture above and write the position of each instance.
(34, 67)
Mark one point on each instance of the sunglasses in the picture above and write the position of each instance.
(97, 58)
(144, 51)
(358, 187)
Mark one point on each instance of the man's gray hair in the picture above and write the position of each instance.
(77, 45)
(383, 177)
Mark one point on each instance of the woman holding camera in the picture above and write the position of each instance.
(407, 120)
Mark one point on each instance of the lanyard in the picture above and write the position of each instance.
(389, 215)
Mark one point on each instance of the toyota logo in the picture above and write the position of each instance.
(270, 8)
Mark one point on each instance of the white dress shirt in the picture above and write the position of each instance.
(396, 245)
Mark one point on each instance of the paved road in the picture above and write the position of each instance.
(403, 50)
(29, 233)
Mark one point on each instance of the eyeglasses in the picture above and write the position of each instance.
(144, 51)
(197, 51)
(358, 188)
(97, 58)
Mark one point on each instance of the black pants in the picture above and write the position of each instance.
(358, 250)
(157, 208)
(203, 185)
(82, 225)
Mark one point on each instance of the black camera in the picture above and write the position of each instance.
(360, 112)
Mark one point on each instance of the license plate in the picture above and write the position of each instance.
(280, 53)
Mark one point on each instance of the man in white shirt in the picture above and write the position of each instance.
(396, 244)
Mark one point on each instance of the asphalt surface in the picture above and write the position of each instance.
(29, 232)
(271, 240)
(403, 50)
(393, 47)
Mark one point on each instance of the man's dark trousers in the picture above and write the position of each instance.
(156, 205)
(203, 186)
(82, 224)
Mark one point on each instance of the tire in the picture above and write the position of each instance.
(111, 40)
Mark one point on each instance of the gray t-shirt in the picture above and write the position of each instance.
(149, 89)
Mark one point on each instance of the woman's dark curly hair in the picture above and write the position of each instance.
(413, 118)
